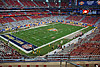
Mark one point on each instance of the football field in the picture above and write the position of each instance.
(47, 37)
(42, 35)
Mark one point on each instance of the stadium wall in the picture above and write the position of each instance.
(51, 64)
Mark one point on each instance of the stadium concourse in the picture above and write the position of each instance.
(49, 33)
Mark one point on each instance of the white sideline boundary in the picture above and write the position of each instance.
(60, 38)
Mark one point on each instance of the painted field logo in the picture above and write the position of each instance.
(27, 46)
(53, 29)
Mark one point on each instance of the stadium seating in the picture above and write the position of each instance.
(86, 19)
(10, 66)
(45, 3)
(19, 18)
(96, 19)
(52, 4)
(1, 3)
(31, 3)
(13, 3)
(37, 65)
(98, 25)
(41, 3)
(2, 20)
(18, 13)
(28, 65)
(86, 49)
(6, 20)
(27, 3)
(3, 14)
(38, 3)
(96, 38)
(57, 4)
(90, 20)
(9, 20)
(64, 4)
(69, 18)
(19, 65)
(7, 52)
(75, 18)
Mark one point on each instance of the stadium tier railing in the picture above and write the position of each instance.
(53, 58)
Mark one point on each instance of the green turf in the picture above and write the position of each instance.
(40, 36)
(87, 29)
(48, 48)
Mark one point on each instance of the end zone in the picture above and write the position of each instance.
(19, 43)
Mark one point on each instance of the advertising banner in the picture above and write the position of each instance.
(88, 3)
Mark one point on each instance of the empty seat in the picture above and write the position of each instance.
(19, 65)
(37, 65)
(28, 65)
(10, 66)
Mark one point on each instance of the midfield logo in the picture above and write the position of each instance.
(53, 29)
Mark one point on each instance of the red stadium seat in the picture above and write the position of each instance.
(19, 65)
(87, 65)
(45, 65)
(37, 65)
(10, 66)
(28, 65)
(0, 66)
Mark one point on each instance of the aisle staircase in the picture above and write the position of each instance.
(20, 3)
(35, 3)
(97, 22)
(48, 4)
(4, 2)
(13, 19)
(82, 18)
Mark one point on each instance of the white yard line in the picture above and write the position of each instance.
(59, 39)
(37, 26)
